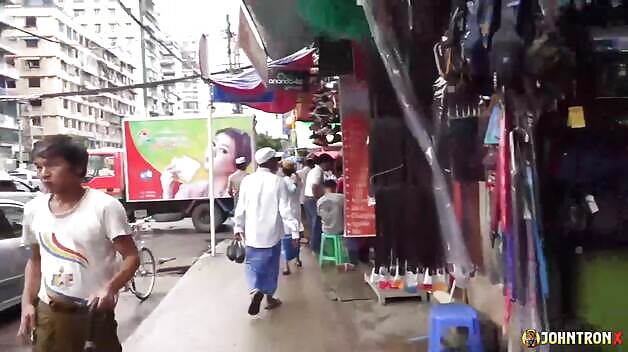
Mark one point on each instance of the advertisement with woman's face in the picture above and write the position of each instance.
(170, 159)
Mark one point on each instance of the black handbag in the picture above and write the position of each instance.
(236, 252)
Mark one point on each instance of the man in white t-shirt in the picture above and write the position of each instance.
(313, 191)
(74, 234)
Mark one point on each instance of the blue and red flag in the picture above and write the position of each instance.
(249, 89)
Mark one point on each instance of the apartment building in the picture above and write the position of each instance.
(9, 122)
(171, 67)
(109, 20)
(63, 56)
(195, 94)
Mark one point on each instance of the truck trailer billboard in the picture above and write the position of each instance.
(168, 158)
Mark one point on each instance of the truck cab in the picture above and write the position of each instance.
(105, 171)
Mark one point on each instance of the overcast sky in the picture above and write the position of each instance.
(189, 19)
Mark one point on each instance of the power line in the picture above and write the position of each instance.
(113, 89)
(104, 90)
(37, 35)
(149, 31)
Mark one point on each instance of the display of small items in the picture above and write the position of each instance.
(390, 283)
(325, 116)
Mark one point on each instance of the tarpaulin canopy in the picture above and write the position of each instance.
(248, 87)
(278, 22)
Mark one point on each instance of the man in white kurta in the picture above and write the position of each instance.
(262, 211)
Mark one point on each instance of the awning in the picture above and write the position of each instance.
(248, 87)
(281, 28)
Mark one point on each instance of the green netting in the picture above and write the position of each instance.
(340, 19)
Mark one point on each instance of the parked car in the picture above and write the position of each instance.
(14, 255)
(30, 177)
(16, 189)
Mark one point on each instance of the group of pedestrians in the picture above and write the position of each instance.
(75, 234)
(268, 216)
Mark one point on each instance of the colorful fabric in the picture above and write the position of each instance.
(248, 88)
(262, 268)
(51, 244)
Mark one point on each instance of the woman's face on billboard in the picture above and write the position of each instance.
(224, 155)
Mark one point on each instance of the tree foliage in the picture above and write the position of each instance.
(263, 140)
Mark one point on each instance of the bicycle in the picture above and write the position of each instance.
(143, 282)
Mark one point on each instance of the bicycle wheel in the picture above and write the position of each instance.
(143, 282)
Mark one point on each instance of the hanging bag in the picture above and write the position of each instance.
(236, 252)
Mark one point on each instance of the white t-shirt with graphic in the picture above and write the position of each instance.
(77, 254)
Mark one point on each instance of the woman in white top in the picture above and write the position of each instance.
(294, 183)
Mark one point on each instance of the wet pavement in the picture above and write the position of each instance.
(207, 310)
(166, 240)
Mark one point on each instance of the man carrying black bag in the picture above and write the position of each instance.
(263, 209)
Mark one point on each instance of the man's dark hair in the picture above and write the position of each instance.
(324, 158)
(63, 146)
(310, 163)
(242, 142)
(330, 184)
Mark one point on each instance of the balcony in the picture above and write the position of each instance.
(9, 71)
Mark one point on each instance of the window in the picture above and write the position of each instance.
(66, 122)
(65, 105)
(129, 24)
(31, 21)
(113, 26)
(36, 121)
(96, 12)
(78, 107)
(32, 64)
(34, 82)
(10, 221)
(61, 27)
(74, 123)
(10, 84)
(190, 105)
(90, 111)
(112, 12)
(35, 102)
(79, 12)
(97, 28)
(32, 43)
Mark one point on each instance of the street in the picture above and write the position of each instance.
(166, 240)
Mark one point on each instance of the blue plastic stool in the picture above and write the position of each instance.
(443, 317)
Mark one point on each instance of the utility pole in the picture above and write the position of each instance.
(237, 108)
(20, 136)
(143, 50)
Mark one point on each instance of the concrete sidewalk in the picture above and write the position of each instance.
(206, 311)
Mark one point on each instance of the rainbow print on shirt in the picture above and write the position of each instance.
(51, 244)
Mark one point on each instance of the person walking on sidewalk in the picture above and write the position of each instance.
(235, 179)
(313, 191)
(293, 182)
(308, 164)
(263, 210)
(74, 234)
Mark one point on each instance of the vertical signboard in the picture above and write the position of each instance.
(354, 107)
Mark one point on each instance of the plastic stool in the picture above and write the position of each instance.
(446, 316)
(338, 256)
